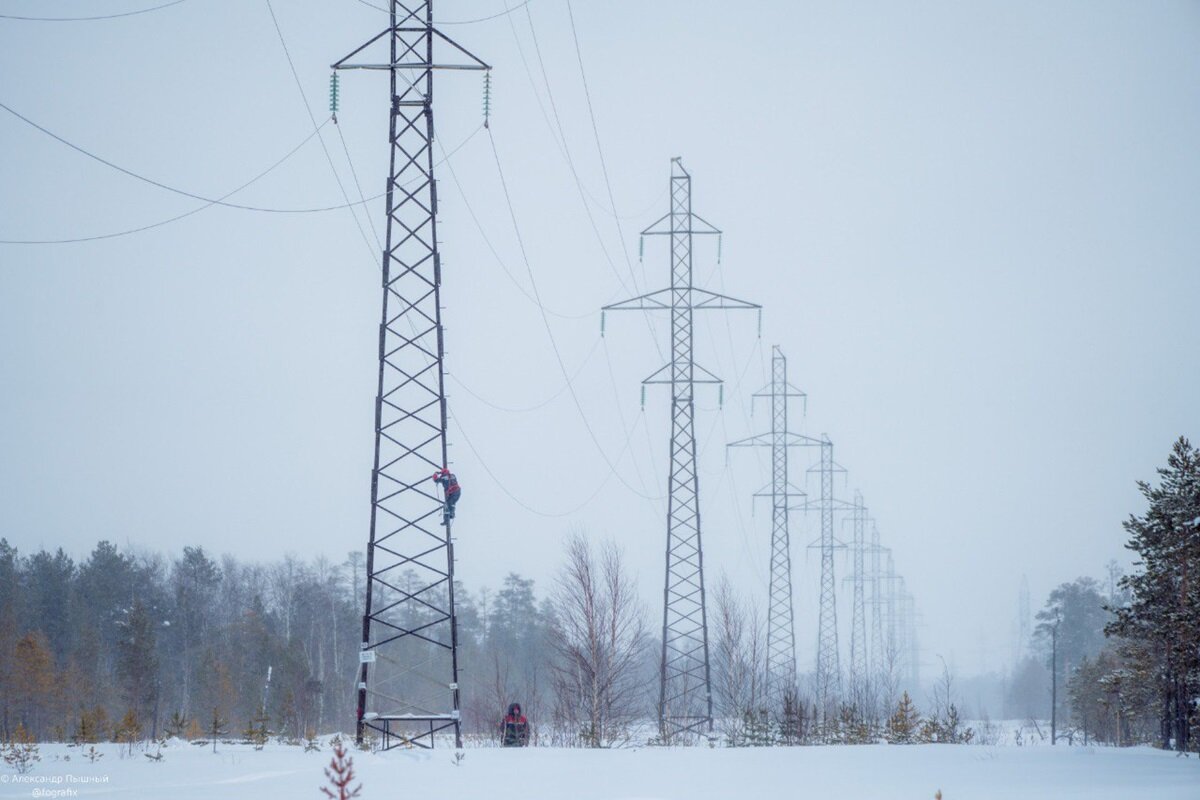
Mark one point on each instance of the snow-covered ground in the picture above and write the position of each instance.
(873, 772)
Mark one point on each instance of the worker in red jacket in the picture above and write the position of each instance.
(453, 491)
(514, 730)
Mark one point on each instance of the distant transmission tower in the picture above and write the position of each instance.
(891, 581)
(781, 634)
(685, 697)
(829, 673)
(408, 682)
(859, 674)
(910, 639)
(879, 656)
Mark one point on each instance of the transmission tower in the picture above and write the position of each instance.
(829, 672)
(685, 696)
(878, 654)
(859, 680)
(781, 635)
(408, 680)
(910, 639)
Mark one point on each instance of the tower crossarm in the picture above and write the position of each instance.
(423, 60)
(665, 300)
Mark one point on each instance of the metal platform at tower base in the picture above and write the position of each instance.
(410, 730)
(685, 729)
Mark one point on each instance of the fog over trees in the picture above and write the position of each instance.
(134, 641)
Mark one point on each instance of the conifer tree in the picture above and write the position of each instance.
(128, 731)
(33, 681)
(1164, 613)
(257, 732)
(137, 662)
(216, 727)
(21, 751)
(340, 773)
(177, 725)
(903, 724)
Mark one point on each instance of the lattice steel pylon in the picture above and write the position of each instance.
(859, 674)
(879, 656)
(685, 695)
(408, 680)
(829, 672)
(781, 631)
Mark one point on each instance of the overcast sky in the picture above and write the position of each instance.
(973, 228)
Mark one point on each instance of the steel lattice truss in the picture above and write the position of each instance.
(685, 698)
(408, 683)
(880, 658)
(828, 669)
(859, 673)
(781, 633)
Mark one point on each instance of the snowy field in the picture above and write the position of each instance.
(874, 772)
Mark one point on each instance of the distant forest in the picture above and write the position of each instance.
(138, 645)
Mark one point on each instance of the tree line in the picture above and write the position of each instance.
(194, 644)
(1124, 659)
(128, 642)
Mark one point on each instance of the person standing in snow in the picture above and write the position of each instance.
(514, 730)
(453, 491)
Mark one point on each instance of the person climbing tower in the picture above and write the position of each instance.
(453, 491)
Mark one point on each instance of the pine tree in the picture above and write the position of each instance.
(340, 773)
(793, 725)
(257, 732)
(904, 722)
(128, 731)
(33, 681)
(177, 725)
(137, 664)
(193, 731)
(21, 751)
(87, 729)
(216, 727)
(1164, 613)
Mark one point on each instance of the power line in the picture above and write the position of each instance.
(496, 255)
(561, 138)
(176, 218)
(596, 135)
(536, 406)
(218, 201)
(549, 331)
(357, 184)
(308, 109)
(504, 13)
(185, 193)
(526, 506)
(91, 19)
(584, 194)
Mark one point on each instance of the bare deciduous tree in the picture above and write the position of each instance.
(738, 661)
(599, 639)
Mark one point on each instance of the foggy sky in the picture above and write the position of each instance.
(972, 227)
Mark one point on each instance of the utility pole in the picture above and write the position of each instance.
(1054, 680)
(781, 632)
(1024, 618)
(685, 694)
(408, 679)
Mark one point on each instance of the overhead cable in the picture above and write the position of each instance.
(92, 19)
